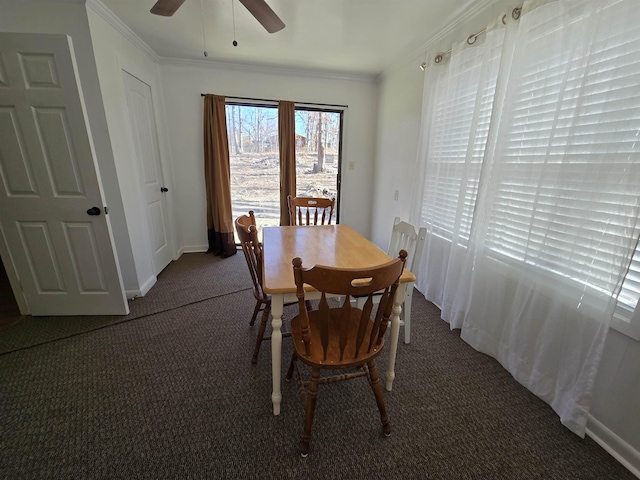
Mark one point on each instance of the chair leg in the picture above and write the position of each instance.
(374, 381)
(255, 312)
(310, 411)
(260, 336)
(406, 309)
(292, 365)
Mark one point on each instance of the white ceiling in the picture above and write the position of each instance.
(361, 37)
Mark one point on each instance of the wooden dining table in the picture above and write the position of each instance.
(332, 245)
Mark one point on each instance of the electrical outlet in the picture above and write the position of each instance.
(352, 165)
(395, 197)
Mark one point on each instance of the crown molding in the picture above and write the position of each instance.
(98, 7)
(269, 69)
(464, 13)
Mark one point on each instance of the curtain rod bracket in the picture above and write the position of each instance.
(471, 39)
(515, 14)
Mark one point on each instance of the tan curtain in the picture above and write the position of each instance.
(287, 139)
(217, 178)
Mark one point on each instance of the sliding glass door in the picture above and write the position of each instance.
(255, 162)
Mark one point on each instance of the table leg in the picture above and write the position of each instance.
(277, 307)
(395, 333)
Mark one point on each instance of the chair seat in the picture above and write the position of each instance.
(332, 360)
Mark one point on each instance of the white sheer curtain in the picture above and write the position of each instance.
(457, 112)
(554, 223)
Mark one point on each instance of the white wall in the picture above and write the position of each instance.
(184, 81)
(115, 53)
(70, 17)
(615, 414)
(398, 133)
(400, 107)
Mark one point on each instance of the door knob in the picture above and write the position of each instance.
(93, 211)
(164, 189)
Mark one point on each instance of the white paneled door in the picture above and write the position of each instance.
(52, 212)
(145, 139)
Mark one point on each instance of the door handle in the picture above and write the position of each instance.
(164, 189)
(93, 211)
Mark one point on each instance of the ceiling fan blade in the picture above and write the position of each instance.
(263, 13)
(166, 8)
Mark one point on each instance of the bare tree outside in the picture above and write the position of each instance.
(255, 163)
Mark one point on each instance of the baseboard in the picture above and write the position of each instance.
(616, 446)
(194, 248)
(131, 294)
(144, 289)
(179, 253)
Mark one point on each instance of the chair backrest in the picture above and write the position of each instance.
(357, 331)
(252, 249)
(405, 237)
(310, 210)
(246, 221)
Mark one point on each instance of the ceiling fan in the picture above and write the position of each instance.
(258, 8)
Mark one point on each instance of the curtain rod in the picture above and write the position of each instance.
(471, 39)
(275, 101)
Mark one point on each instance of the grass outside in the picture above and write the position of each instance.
(255, 183)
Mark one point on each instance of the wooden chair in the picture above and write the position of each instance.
(310, 210)
(252, 249)
(404, 236)
(246, 221)
(344, 337)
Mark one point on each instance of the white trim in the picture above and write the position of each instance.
(131, 294)
(630, 328)
(273, 69)
(144, 289)
(146, 286)
(107, 15)
(614, 445)
(195, 248)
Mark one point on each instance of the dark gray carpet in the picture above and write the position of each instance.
(174, 395)
(193, 278)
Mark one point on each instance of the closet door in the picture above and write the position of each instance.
(145, 139)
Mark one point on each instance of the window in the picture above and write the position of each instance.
(565, 133)
(255, 163)
(457, 143)
(573, 120)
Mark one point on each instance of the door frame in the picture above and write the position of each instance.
(126, 64)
